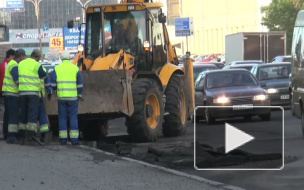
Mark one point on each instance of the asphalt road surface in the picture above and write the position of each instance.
(178, 153)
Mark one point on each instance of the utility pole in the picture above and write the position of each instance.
(83, 6)
(36, 4)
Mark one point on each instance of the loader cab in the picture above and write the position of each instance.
(138, 32)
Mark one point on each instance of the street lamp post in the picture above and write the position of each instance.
(37, 13)
(83, 6)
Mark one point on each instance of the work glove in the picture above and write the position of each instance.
(80, 98)
(49, 96)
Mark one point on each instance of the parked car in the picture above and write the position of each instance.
(221, 58)
(236, 88)
(49, 67)
(199, 67)
(276, 79)
(209, 58)
(218, 64)
(282, 58)
(240, 66)
(246, 62)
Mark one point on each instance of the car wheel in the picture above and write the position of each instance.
(247, 117)
(208, 118)
(266, 117)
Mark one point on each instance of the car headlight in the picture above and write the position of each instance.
(221, 100)
(272, 90)
(260, 97)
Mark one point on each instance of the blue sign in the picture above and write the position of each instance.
(45, 27)
(183, 27)
(182, 33)
(71, 38)
(14, 3)
(182, 24)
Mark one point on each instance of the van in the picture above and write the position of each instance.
(297, 72)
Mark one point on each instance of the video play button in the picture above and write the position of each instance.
(235, 138)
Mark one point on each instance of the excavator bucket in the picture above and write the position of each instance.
(105, 92)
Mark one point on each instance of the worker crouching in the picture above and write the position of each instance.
(67, 80)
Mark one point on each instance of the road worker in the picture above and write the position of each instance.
(30, 74)
(42, 116)
(10, 55)
(67, 80)
(11, 94)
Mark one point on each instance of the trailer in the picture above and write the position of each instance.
(262, 46)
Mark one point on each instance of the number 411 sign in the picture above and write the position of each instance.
(56, 43)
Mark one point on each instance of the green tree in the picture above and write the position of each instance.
(280, 15)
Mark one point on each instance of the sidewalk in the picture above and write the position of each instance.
(70, 167)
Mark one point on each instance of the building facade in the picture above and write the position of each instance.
(213, 20)
(53, 13)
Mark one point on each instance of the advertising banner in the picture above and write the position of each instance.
(11, 5)
(56, 43)
(71, 38)
(22, 36)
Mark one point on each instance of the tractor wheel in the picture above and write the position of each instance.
(145, 123)
(175, 117)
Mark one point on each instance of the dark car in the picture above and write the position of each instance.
(282, 58)
(276, 78)
(200, 67)
(49, 67)
(236, 89)
(246, 62)
(218, 64)
(240, 66)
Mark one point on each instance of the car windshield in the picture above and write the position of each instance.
(274, 72)
(123, 30)
(230, 79)
(198, 70)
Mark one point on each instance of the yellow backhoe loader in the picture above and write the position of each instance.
(129, 69)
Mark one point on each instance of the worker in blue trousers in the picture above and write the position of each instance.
(67, 80)
(30, 74)
(11, 95)
(42, 116)
(10, 55)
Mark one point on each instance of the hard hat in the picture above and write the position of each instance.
(65, 55)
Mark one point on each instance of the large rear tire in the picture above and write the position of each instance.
(145, 123)
(175, 118)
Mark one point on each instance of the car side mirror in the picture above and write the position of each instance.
(263, 84)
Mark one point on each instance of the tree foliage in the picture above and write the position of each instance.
(280, 15)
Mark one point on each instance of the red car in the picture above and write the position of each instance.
(209, 58)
